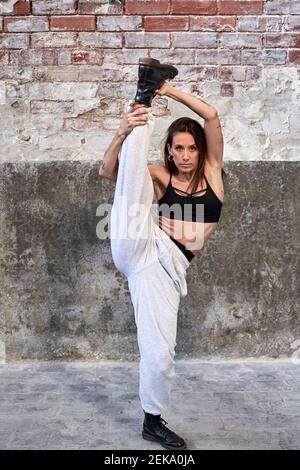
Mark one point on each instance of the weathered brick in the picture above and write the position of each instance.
(274, 23)
(147, 40)
(212, 23)
(227, 89)
(236, 74)
(50, 56)
(111, 107)
(99, 7)
(194, 7)
(53, 73)
(52, 39)
(111, 124)
(294, 56)
(177, 56)
(225, 73)
(15, 72)
(25, 24)
(147, 7)
(259, 23)
(34, 57)
(21, 8)
(64, 57)
(61, 91)
(51, 107)
(26, 57)
(119, 23)
(264, 57)
(114, 90)
(239, 74)
(240, 7)
(12, 7)
(73, 23)
(110, 40)
(131, 56)
(83, 123)
(87, 56)
(85, 106)
(115, 56)
(4, 57)
(292, 23)
(230, 57)
(14, 41)
(98, 73)
(282, 40)
(194, 40)
(253, 73)
(196, 73)
(54, 7)
(282, 7)
(61, 144)
(166, 23)
(130, 72)
(236, 40)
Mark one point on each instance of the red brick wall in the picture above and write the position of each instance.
(227, 40)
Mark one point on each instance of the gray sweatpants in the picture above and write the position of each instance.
(154, 266)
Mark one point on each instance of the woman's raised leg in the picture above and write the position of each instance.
(131, 223)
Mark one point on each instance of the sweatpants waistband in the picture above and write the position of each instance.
(187, 253)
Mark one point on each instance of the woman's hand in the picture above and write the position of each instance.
(164, 89)
(133, 118)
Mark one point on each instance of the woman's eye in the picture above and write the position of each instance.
(180, 148)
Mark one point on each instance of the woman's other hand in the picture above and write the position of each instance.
(136, 117)
(164, 89)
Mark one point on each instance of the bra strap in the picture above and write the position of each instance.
(206, 180)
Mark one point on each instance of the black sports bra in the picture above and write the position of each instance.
(188, 204)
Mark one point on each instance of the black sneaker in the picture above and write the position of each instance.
(154, 429)
(152, 75)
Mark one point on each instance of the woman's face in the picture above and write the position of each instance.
(184, 151)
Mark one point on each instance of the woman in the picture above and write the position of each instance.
(152, 256)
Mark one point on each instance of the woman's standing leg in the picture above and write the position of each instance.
(155, 298)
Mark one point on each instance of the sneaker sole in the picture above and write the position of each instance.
(148, 437)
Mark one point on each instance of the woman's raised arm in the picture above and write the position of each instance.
(212, 126)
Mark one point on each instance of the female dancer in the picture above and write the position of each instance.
(155, 256)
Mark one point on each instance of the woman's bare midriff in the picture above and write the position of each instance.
(192, 235)
(174, 228)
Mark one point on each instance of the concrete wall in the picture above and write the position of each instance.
(67, 69)
(61, 296)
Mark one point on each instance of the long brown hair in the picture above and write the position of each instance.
(186, 124)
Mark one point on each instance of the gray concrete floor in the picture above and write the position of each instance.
(89, 405)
